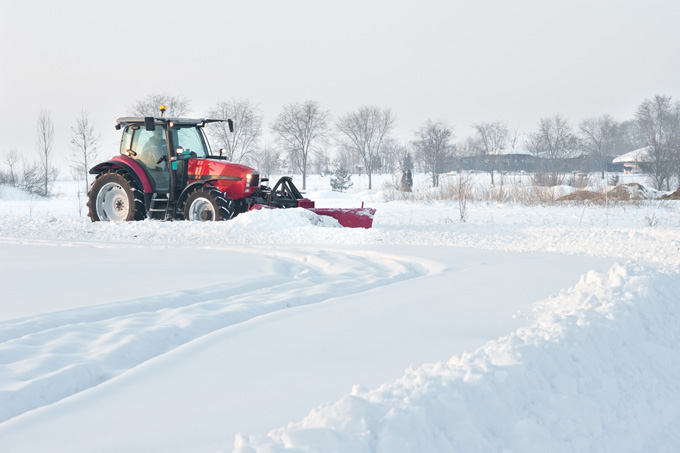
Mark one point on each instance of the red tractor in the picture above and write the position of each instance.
(167, 171)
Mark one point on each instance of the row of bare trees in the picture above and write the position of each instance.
(303, 134)
(654, 131)
(37, 175)
(33, 175)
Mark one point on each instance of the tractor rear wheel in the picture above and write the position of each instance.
(115, 197)
(207, 204)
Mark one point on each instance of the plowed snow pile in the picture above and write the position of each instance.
(598, 371)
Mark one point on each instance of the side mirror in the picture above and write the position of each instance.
(149, 123)
(231, 125)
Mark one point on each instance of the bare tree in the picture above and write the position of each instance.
(45, 141)
(364, 132)
(321, 160)
(513, 138)
(658, 122)
(84, 143)
(630, 137)
(553, 142)
(300, 128)
(12, 159)
(175, 106)
(600, 137)
(267, 159)
(493, 137)
(346, 158)
(31, 178)
(463, 191)
(247, 128)
(468, 147)
(391, 154)
(25, 176)
(433, 148)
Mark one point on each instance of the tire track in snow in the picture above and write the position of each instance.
(51, 356)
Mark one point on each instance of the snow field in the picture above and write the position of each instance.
(594, 367)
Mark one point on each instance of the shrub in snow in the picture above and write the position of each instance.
(406, 181)
(341, 180)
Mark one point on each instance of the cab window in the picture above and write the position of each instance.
(191, 139)
(125, 141)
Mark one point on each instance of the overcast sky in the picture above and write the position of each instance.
(459, 61)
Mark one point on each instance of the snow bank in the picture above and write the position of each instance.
(621, 232)
(247, 228)
(598, 371)
(9, 193)
(283, 218)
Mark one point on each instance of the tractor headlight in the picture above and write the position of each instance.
(249, 177)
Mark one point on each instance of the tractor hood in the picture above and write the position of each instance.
(235, 180)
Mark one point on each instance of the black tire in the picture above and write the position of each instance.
(115, 197)
(206, 203)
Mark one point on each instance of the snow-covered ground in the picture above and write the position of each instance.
(525, 328)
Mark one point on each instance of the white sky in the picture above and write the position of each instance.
(460, 61)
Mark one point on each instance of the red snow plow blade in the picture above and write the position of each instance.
(349, 218)
(286, 195)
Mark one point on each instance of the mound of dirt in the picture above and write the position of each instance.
(623, 192)
(627, 192)
(580, 195)
(674, 196)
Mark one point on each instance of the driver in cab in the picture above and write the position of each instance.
(155, 148)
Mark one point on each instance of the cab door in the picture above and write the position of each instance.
(150, 150)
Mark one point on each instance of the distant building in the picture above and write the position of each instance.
(634, 161)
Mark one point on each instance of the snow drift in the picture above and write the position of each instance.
(598, 371)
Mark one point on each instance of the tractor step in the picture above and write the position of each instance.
(158, 207)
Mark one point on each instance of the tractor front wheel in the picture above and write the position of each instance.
(207, 204)
(115, 198)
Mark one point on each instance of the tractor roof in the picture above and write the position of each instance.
(128, 121)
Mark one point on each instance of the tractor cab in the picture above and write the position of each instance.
(162, 153)
(162, 145)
